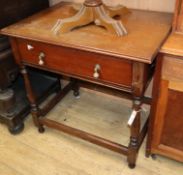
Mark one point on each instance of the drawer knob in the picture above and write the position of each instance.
(30, 47)
(41, 58)
(96, 73)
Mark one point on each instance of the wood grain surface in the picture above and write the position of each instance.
(174, 45)
(146, 33)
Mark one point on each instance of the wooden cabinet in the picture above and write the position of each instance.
(165, 136)
(166, 131)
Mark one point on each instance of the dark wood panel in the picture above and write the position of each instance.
(172, 132)
(8, 69)
(13, 10)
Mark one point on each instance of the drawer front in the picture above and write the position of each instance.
(78, 63)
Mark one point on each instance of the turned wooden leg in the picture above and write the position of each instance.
(59, 88)
(139, 81)
(134, 130)
(75, 88)
(32, 99)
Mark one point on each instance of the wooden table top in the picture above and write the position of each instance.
(146, 33)
(174, 44)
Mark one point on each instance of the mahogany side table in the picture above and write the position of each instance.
(93, 55)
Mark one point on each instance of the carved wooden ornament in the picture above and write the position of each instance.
(94, 11)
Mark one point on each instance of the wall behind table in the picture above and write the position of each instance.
(156, 5)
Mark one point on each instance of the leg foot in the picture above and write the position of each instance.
(76, 94)
(75, 88)
(16, 129)
(131, 166)
(133, 151)
(41, 129)
(153, 156)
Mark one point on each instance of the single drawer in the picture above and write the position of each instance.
(75, 62)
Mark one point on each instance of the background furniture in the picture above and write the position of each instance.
(165, 136)
(88, 54)
(14, 105)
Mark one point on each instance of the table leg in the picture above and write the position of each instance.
(59, 78)
(75, 88)
(134, 135)
(32, 99)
